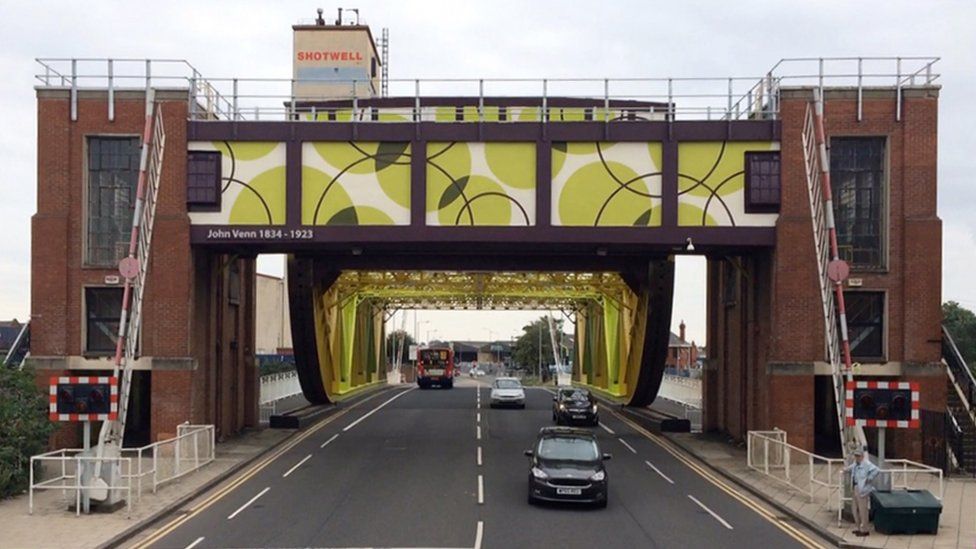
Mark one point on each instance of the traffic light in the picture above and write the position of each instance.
(83, 398)
(882, 404)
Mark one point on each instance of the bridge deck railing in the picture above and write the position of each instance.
(413, 100)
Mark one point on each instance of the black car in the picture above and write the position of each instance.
(567, 466)
(573, 405)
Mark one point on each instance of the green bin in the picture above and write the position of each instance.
(905, 512)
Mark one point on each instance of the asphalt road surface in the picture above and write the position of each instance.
(438, 468)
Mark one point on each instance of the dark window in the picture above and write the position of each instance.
(762, 182)
(865, 324)
(858, 186)
(113, 171)
(203, 178)
(103, 306)
(730, 284)
(372, 69)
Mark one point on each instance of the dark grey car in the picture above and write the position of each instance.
(567, 466)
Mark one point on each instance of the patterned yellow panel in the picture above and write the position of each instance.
(253, 183)
(356, 183)
(485, 184)
(606, 184)
(711, 184)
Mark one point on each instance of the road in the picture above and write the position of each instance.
(413, 468)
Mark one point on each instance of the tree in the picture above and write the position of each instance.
(526, 353)
(393, 339)
(961, 323)
(24, 428)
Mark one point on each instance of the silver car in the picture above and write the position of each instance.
(507, 391)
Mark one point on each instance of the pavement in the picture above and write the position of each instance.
(957, 525)
(439, 468)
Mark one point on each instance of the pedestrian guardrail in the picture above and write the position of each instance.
(152, 465)
(72, 472)
(275, 387)
(819, 477)
(683, 390)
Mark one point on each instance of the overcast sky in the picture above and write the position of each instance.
(501, 39)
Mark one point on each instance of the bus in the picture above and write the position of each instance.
(435, 366)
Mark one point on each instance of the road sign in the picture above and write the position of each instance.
(84, 398)
(413, 353)
(838, 270)
(882, 404)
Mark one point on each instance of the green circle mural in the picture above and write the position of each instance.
(508, 162)
(608, 193)
(261, 200)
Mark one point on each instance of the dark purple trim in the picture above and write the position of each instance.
(293, 184)
(740, 130)
(418, 183)
(669, 184)
(405, 239)
(543, 184)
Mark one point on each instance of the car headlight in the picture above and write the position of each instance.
(600, 475)
(539, 473)
(594, 408)
(562, 406)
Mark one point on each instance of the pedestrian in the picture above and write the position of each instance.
(863, 473)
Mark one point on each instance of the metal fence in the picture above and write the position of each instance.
(674, 98)
(275, 387)
(150, 466)
(823, 478)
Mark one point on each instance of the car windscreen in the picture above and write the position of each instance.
(581, 396)
(507, 384)
(568, 448)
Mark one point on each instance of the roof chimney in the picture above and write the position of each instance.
(681, 327)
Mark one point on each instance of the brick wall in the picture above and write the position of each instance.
(176, 323)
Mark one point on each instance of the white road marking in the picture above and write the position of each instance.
(297, 465)
(479, 417)
(607, 429)
(629, 447)
(195, 543)
(479, 533)
(326, 443)
(479, 432)
(248, 504)
(481, 490)
(658, 471)
(479, 404)
(479, 456)
(374, 410)
(710, 512)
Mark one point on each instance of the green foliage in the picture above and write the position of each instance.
(268, 366)
(24, 428)
(961, 323)
(393, 339)
(527, 346)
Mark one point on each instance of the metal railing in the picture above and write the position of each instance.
(769, 453)
(674, 98)
(20, 348)
(74, 472)
(193, 447)
(273, 388)
(959, 373)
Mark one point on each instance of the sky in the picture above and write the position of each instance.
(501, 39)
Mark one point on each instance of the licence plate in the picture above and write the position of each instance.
(579, 416)
(569, 491)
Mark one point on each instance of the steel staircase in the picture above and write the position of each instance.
(825, 244)
(960, 406)
(135, 266)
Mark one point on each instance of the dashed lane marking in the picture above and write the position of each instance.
(248, 504)
(658, 471)
(296, 466)
(710, 512)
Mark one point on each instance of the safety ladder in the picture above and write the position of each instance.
(825, 244)
(134, 267)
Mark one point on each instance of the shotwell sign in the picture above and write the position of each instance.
(329, 56)
(332, 63)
